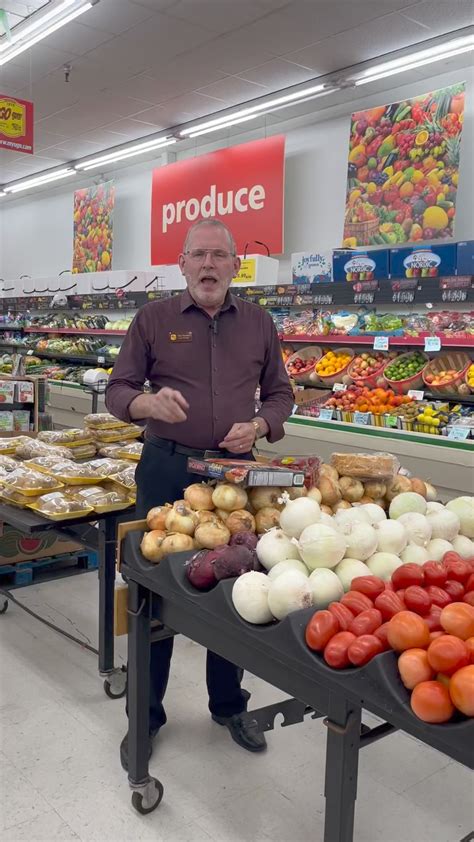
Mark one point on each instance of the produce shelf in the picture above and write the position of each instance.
(410, 341)
(75, 331)
(468, 400)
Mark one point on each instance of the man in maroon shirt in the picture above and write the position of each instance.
(204, 352)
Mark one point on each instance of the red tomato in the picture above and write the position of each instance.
(414, 668)
(431, 702)
(389, 604)
(458, 619)
(469, 598)
(401, 593)
(363, 649)
(417, 600)
(322, 626)
(447, 654)
(434, 635)
(406, 630)
(389, 587)
(342, 615)
(461, 690)
(335, 653)
(458, 569)
(470, 645)
(406, 575)
(356, 602)
(454, 589)
(366, 622)
(434, 618)
(450, 556)
(438, 596)
(470, 583)
(435, 573)
(371, 586)
(381, 633)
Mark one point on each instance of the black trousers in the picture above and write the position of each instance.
(161, 478)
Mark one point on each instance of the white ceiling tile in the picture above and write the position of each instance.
(184, 73)
(77, 38)
(233, 90)
(218, 15)
(13, 76)
(115, 16)
(155, 5)
(77, 148)
(40, 59)
(45, 139)
(232, 53)
(181, 109)
(154, 115)
(142, 86)
(442, 15)
(131, 128)
(104, 138)
(277, 74)
(123, 106)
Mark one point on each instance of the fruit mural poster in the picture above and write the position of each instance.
(403, 170)
(93, 228)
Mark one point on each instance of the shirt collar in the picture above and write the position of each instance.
(230, 302)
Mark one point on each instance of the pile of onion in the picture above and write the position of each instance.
(229, 498)
(199, 497)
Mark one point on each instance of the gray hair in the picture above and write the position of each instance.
(217, 224)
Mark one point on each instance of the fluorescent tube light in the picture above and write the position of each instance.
(9, 51)
(2, 193)
(20, 31)
(38, 180)
(127, 152)
(256, 109)
(418, 59)
(230, 122)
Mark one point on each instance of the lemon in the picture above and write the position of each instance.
(435, 217)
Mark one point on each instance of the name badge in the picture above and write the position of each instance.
(180, 337)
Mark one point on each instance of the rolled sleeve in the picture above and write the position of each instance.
(131, 369)
(276, 393)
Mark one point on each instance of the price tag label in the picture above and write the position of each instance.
(391, 420)
(458, 433)
(29, 353)
(416, 395)
(361, 417)
(380, 343)
(339, 387)
(326, 413)
(432, 343)
(101, 360)
(295, 408)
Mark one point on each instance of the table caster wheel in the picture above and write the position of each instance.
(4, 607)
(147, 799)
(116, 685)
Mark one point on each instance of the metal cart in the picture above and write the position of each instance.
(278, 654)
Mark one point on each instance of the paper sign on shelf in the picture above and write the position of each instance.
(295, 407)
(339, 387)
(380, 343)
(361, 417)
(459, 433)
(416, 394)
(391, 420)
(247, 272)
(432, 343)
(326, 414)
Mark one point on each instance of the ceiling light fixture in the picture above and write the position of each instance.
(255, 110)
(22, 38)
(418, 59)
(126, 152)
(223, 125)
(38, 180)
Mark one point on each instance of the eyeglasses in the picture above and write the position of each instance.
(199, 255)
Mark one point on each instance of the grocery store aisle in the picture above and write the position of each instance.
(61, 777)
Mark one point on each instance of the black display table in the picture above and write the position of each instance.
(102, 538)
(276, 653)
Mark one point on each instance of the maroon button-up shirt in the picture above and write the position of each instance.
(216, 364)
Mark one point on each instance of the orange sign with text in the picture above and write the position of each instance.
(16, 124)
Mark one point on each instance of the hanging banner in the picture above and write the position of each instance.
(93, 228)
(403, 170)
(242, 185)
(16, 124)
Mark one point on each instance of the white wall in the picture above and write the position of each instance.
(36, 231)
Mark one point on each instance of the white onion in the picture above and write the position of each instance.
(321, 546)
(463, 546)
(361, 540)
(418, 528)
(354, 515)
(298, 514)
(348, 569)
(383, 565)
(463, 507)
(433, 506)
(289, 592)
(250, 597)
(326, 587)
(391, 537)
(229, 497)
(328, 520)
(445, 524)
(285, 565)
(275, 546)
(373, 512)
(437, 547)
(414, 554)
(408, 501)
(431, 493)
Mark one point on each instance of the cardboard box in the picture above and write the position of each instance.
(354, 265)
(311, 267)
(245, 474)
(465, 258)
(15, 546)
(423, 261)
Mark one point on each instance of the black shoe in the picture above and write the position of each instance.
(242, 732)
(124, 750)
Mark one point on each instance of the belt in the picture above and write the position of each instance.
(172, 447)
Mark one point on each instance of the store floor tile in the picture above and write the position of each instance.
(61, 777)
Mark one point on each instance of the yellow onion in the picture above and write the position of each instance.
(181, 519)
(351, 489)
(156, 517)
(199, 497)
(266, 519)
(419, 487)
(205, 516)
(330, 491)
(265, 498)
(240, 521)
(296, 493)
(176, 542)
(375, 489)
(152, 545)
(328, 471)
(229, 497)
(221, 514)
(343, 504)
(210, 535)
(327, 510)
(315, 494)
(399, 485)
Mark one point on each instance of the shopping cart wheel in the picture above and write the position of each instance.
(148, 797)
(116, 685)
(4, 607)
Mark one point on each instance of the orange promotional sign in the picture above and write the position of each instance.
(242, 185)
(16, 124)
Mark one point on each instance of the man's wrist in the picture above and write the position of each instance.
(261, 427)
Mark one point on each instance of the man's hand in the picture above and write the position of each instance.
(240, 438)
(166, 405)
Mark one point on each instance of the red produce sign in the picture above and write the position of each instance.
(16, 124)
(242, 186)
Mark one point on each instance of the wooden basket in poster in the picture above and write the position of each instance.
(362, 231)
